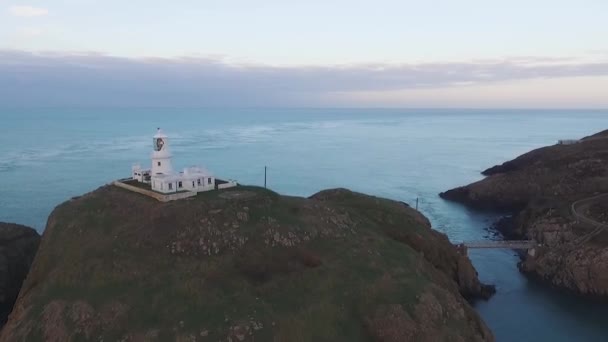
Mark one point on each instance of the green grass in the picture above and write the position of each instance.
(114, 247)
(138, 184)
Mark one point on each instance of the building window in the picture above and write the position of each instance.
(198, 181)
(158, 164)
(208, 180)
(179, 184)
(170, 186)
(193, 184)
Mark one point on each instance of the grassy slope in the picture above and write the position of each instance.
(116, 264)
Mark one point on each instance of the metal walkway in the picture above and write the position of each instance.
(506, 244)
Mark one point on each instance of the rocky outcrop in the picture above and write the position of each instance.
(245, 264)
(18, 245)
(583, 269)
(539, 188)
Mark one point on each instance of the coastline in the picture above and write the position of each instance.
(546, 191)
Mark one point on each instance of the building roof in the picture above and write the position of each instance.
(190, 173)
(197, 170)
(167, 177)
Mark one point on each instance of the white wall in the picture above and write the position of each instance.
(230, 184)
(186, 185)
(163, 186)
(165, 165)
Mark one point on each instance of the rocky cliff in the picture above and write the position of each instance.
(245, 264)
(18, 245)
(539, 188)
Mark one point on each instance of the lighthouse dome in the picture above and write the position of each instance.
(160, 141)
(160, 134)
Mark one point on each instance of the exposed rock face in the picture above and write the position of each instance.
(245, 264)
(540, 187)
(18, 245)
(583, 269)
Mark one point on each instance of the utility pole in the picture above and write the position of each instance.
(265, 177)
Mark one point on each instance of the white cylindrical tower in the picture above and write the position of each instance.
(161, 156)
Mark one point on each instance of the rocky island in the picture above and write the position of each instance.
(556, 196)
(245, 264)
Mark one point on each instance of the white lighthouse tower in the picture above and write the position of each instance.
(161, 156)
(162, 179)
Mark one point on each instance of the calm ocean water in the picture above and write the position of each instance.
(50, 155)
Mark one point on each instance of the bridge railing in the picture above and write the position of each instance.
(507, 244)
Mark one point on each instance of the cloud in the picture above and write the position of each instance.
(28, 11)
(30, 31)
(47, 79)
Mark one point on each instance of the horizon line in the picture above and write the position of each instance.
(304, 107)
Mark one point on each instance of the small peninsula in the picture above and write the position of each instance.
(245, 264)
(557, 195)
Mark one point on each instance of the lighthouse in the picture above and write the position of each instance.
(161, 179)
(161, 155)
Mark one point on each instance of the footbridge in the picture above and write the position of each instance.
(527, 245)
(504, 244)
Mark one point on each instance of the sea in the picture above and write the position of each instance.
(48, 155)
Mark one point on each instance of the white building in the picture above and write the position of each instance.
(568, 141)
(162, 178)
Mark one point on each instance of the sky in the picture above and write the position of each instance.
(381, 53)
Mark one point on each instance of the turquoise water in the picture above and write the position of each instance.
(50, 155)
